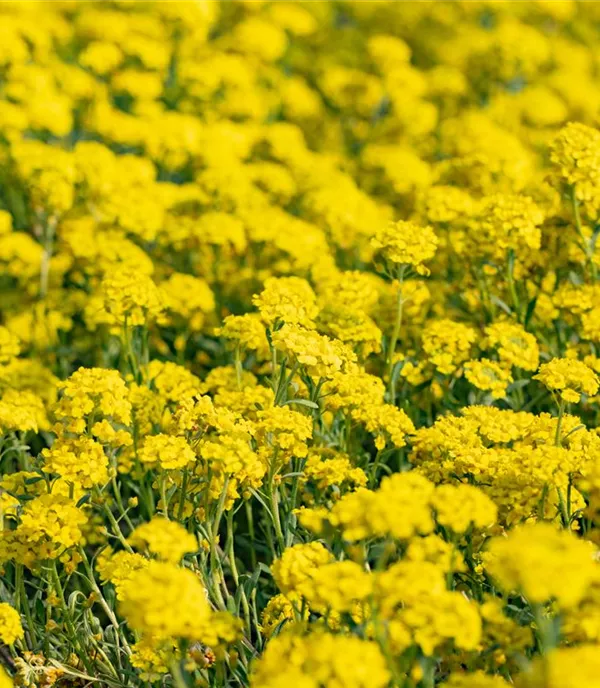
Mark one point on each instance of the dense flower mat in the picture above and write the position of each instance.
(299, 333)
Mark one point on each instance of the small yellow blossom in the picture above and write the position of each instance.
(168, 540)
(10, 624)
(166, 451)
(405, 243)
(543, 563)
(569, 377)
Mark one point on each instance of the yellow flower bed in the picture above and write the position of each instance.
(299, 344)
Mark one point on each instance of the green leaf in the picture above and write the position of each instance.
(84, 500)
(302, 402)
(501, 304)
(530, 310)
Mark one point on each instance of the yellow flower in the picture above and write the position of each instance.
(172, 382)
(405, 243)
(285, 430)
(576, 154)
(294, 659)
(459, 506)
(10, 624)
(506, 222)
(49, 525)
(566, 667)
(287, 299)
(5, 680)
(247, 330)
(132, 298)
(569, 377)
(279, 610)
(515, 346)
(165, 603)
(93, 391)
(166, 451)
(476, 679)
(447, 344)
(321, 356)
(543, 563)
(411, 595)
(338, 586)
(297, 564)
(400, 508)
(152, 663)
(188, 297)
(5, 222)
(102, 57)
(488, 376)
(22, 411)
(168, 540)
(337, 469)
(80, 461)
(9, 345)
(432, 548)
(119, 567)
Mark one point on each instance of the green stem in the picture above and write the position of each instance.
(101, 600)
(395, 334)
(238, 367)
(163, 495)
(230, 546)
(274, 507)
(119, 500)
(113, 522)
(251, 533)
(24, 602)
(585, 243)
(177, 673)
(298, 467)
(374, 469)
(182, 492)
(216, 569)
(545, 635)
(561, 411)
(48, 244)
(564, 512)
(220, 509)
(510, 267)
(274, 378)
(71, 631)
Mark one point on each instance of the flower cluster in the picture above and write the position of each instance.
(299, 344)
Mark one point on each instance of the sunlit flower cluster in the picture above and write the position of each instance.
(299, 344)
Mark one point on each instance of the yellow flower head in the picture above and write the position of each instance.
(543, 563)
(166, 451)
(459, 506)
(297, 564)
(49, 525)
(10, 624)
(287, 299)
(165, 602)
(168, 540)
(132, 298)
(80, 461)
(9, 345)
(575, 153)
(321, 356)
(488, 376)
(294, 659)
(247, 331)
(569, 377)
(564, 667)
(405, 243)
